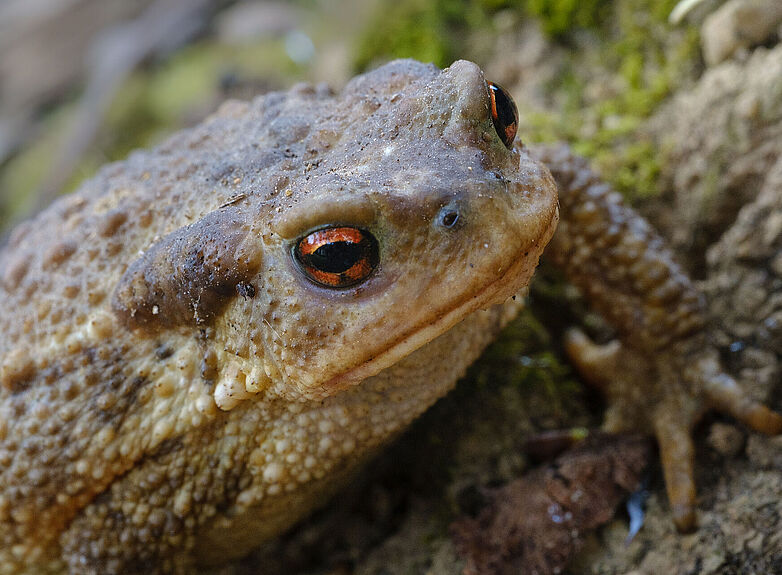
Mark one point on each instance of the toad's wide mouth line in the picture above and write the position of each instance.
(421, 335)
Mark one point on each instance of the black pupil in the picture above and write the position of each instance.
(337, 257)
(506, 109)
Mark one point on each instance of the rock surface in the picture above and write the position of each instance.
(738, 25)
(719, 139)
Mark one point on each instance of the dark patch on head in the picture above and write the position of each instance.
(111, 222)
(18, 382)
(14, 269)
(57, 253)
(189, 275)
(163, 351)
(245, 290)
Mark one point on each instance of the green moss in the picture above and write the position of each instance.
(410, 30)
(439, 30)
(522, 357)
(641, 60)
(427, 30)
(415, 28)
(560, 17)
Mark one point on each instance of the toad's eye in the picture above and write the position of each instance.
(503, 113)
(337, 257)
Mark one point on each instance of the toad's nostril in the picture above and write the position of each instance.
(449, 218)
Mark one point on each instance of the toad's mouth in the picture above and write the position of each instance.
(508, 284)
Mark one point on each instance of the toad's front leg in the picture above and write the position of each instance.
(663, 373)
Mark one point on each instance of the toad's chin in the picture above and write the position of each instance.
(515, 278)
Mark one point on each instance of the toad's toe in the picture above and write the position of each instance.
(596, 363)
(677, 455)
(723, 394)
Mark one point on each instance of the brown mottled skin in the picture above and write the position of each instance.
(174, 390)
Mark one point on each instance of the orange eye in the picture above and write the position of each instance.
(337, 257)
(504, 114)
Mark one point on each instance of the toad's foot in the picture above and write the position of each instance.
(664, 374)
(667, 392)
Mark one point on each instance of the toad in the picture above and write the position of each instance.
(201, 344)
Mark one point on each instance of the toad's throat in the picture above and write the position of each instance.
(509, 283)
